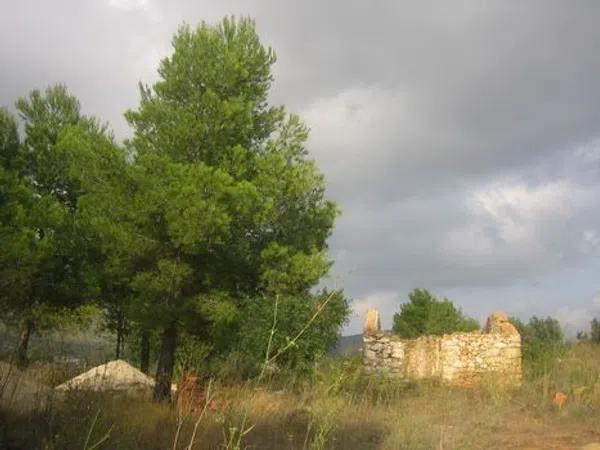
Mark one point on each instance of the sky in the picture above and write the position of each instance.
(461, 139)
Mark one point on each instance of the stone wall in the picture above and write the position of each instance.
(458, 358)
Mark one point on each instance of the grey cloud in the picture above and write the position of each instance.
(418, 109)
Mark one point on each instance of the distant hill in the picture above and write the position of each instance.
(348, 345)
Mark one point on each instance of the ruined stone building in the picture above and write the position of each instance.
(457, 358)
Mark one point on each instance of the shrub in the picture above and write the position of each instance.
(543, 343)
(286, 317)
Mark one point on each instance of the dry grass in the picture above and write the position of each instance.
(341, 408)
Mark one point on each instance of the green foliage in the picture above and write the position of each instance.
(30, 231)
(595, 331)
(211, 99)
(285, 316)
(9, 141)
(100, 170)
(45, 244)
(215, 201)
(543, 343)
(347, 377)
(46, 117)
(213, 205)
(193, 355)
(424, 314)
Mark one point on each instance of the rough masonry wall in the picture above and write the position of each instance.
(458, 358)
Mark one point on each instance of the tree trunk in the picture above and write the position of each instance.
(166, 362)
(120, 334)
(118, 347)
(24, 343)
(145, 352)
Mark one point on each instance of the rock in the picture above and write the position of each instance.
(498, 323)
(114, 376)
(559, 400)
(372, 322)
(370, 354)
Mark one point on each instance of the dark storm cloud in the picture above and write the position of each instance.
(460, 138)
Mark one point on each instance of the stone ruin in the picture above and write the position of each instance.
(459, 358)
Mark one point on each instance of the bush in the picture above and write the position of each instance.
(543, 343)
(319, 324)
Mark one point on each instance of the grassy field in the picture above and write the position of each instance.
(340, 407)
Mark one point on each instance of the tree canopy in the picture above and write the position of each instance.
(424, 314)
(210, 215)
(44, 245)
(219, 206)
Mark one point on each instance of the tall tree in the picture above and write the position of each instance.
(99, 168)
(47, 250)
(9, 143)
(17, 233)
(424, 314)
(226, 203)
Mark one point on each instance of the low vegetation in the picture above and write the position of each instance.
(336, 406)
